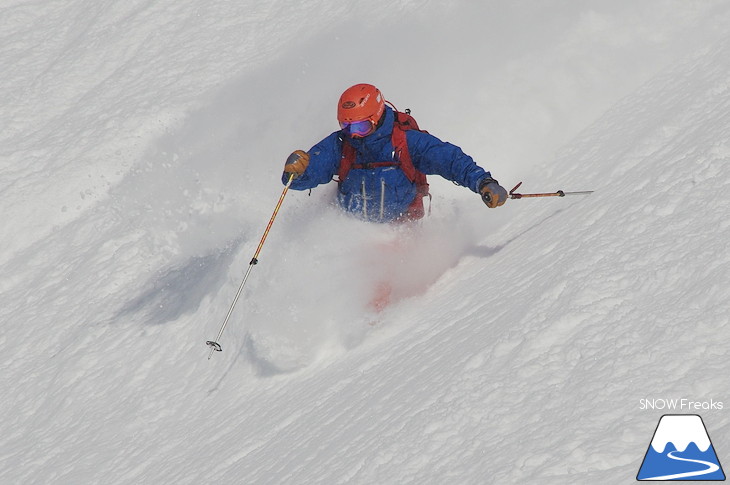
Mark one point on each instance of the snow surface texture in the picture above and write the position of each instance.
(140, 155)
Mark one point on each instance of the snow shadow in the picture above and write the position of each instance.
(480, 251)
(178, 290)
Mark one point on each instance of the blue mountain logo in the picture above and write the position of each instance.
(681, 450)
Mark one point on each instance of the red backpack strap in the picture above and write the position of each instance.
(347, 160)
(400, 147)
(400, 150)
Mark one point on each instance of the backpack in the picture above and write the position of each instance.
(401, 158)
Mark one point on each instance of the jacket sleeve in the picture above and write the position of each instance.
(435, 157)
(323, 164)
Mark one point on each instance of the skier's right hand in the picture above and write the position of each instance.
(297, 163)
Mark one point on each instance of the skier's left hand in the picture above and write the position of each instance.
(493, 194)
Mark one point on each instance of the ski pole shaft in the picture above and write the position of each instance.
(213, 344)
(559, 193)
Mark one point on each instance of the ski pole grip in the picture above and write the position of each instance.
(486, 194)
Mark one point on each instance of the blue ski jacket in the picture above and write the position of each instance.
(384, 193)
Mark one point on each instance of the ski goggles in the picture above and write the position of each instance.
(358, 128)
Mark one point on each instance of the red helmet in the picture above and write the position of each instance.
(360, 103)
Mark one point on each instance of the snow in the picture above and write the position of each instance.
(140, 155)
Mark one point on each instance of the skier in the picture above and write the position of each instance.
(379, 180)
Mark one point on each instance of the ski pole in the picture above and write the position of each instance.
(213, 344)
(559, 193)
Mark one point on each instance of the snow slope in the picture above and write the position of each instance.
(140, 154)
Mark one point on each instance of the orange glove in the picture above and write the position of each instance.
(297, 163)
(492, 193)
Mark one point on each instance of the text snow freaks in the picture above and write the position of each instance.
(679, 404)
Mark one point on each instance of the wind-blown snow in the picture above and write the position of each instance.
(140, 156)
